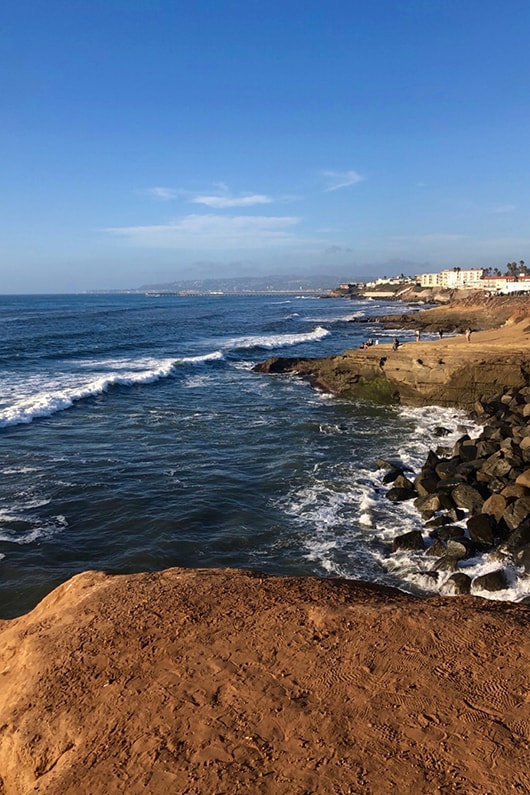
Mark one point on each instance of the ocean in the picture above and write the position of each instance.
(134, 436)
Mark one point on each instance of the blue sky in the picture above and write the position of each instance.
(147, 141)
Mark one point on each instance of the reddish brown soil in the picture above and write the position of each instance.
(226, 682)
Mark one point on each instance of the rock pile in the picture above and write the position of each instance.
(484, 481)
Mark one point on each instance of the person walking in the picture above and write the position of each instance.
(468, 334)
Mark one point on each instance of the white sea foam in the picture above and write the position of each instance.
(276, 340)
(215, 356)
(47, 395)
(348, 524)
(28, 528)
(48, 402)
(197, 381)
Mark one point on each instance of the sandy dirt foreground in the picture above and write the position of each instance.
(210, 681)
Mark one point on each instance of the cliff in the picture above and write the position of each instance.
(447, 372)
(214, 681)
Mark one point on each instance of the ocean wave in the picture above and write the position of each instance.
(276, 340)
(215, 356)
(45, 403)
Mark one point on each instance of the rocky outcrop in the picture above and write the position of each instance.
(446, 373)
(449, 371)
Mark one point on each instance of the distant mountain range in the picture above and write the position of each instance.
(251, 284)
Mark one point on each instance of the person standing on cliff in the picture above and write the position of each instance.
(468, 334)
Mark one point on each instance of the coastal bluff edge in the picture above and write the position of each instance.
(224, 681)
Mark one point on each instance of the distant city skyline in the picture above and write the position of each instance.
(155, 142)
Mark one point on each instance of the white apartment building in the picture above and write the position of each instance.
(454, 278)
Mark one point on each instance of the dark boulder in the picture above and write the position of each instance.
(400, 495)
(458, 583)
(402, 482)
(446, 563)
(387, 463)
(439, 521)
(481, 529)
(447, 532)
(277, 364)
(426, 482)
(518, 539)
(391, 475)
(522, 558)
(412, 540)
(466, 497)
(493, 581)
(460, 548)
(436, 550)
(447, 467)
(516, 512)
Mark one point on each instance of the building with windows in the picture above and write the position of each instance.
(454, 278)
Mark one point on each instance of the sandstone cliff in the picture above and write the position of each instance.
(446, 372)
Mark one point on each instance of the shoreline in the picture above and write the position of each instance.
(223, 680)
(484, 482)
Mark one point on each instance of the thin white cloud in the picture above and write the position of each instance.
(212, 231)
(341, 179)
(164, 194)
(220, 202)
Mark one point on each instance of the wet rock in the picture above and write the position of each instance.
(460, 548)
(400, 495)
(465, 496)
(522, 558)
(446, 563)
(518, 539)
(439, 521)
(426, 482)
(391, 475)
(447, 467)
(444, 452)
(516, 512)
(457, 583)
(387, 463)
(412, 540)
(431, 461)
(402, 482)
(276, 364)
(445, 533)
(481, 529)
(493, 581)
(441, 431)
(436, 550)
